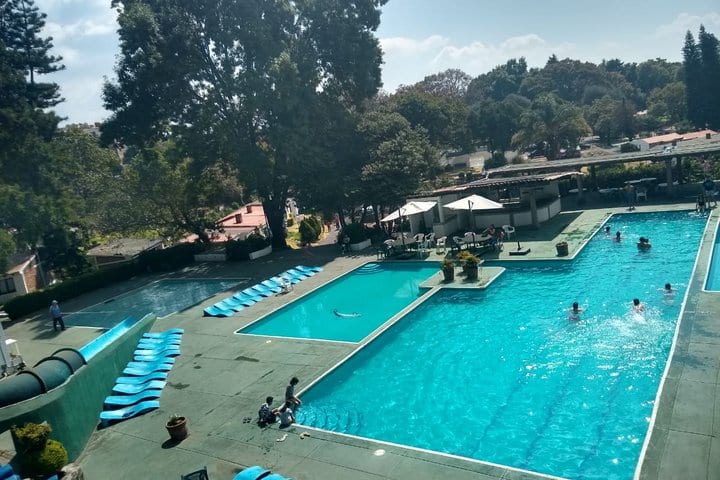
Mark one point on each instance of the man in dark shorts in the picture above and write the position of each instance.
(290, 393)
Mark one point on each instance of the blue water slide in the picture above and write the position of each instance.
(128, 389)
(128, 412)
(114, 401)
(252, 473)
(142, 379)
(214, 311)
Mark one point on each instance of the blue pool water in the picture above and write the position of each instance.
(374, 291)
(713, 276)
(161, 298)
(503, 376)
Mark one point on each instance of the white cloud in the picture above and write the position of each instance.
(410, 46)
(82, 28)
(70, 56)
(685, 21)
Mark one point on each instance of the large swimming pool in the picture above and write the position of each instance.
(351, 307)
(161, 298)
(503, 376)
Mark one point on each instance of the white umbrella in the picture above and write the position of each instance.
(5, 360)
(410, 208)
(474, 202)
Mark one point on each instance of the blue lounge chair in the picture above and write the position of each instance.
(308, 270)
(285, 278)
(140, 371)
(273, 286)
(169, 361)
(143, 379)
(252, 473)
(263, 290)
(214, 311)
(151, 358)
(172, 331)
(298, 274)
(245, 299)
(125, 400)
(126, 389)
(129, 412)
(230, 304)
(171, 340)
(252, 294)
(171, 351)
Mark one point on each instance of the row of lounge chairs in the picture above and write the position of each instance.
(267, 288)
(137, 393)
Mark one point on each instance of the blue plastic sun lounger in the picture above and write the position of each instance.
(7, 473)
(151, 358)
(252, 294)
(308, 270)
(171, 351)
(143, 379)
(244, 299)
(172, 340)
(126, 389)
(214, 311)
(129, 412)
(280, 279)
(298, 274)
(158, 363)
(114, 401)
(252, 473)
(231, 304)
(275, 287)
(166, 333)
(263, 290)
(140, 371)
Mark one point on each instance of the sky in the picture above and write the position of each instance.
(419, 38)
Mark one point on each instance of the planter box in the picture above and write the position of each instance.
(261, 253)
(211, 257)
(356, 247)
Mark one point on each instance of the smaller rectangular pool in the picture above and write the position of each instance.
(161, 298)
(352, 306)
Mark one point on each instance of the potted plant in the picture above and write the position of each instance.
(461, 257)
(470, 265)
(177, 427)
(562, 249)
(448, 268)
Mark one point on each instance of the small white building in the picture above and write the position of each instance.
(121, 250)
(24, 276)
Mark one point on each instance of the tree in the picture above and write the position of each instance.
(710, 56)
(554, 121)
(669, 104)
(451, 83)
(692, 63)
(497, 84)
(7, 248)
(242, 83)
(444, 118)
(494, 123)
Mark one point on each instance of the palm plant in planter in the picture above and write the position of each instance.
(177, 427)
(448, 268)
(470, 265)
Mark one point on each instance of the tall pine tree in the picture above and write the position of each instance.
(710, 81)
(694, 81)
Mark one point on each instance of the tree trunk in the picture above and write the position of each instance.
(275, 213)
(341, 217)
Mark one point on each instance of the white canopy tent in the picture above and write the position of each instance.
(410, 208)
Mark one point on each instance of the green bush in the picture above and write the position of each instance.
(356, 232)
(316, 224)
(168, 258)
(37, 454)
(31, 436)
(237, 250)
(46, 461)
(24, 304)
(617, 175)
(308, 231)
(497, 160)
(290, 221)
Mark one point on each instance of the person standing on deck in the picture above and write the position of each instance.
(57, 316)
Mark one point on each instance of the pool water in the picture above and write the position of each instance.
(713, 276)
(502, 375)
(161, 298)
(351, 307)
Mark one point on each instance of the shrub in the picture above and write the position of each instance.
(37, 454)
(241, 249)
(471, 261)
(447, 264)
(308, 231)
(356, 232)
(497, 160)
(316, 225)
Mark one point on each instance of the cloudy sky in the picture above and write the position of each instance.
(421, 37)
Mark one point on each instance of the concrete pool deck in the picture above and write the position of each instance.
(222, 377)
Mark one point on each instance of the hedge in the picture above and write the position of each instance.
(153, 261)
(310, 229)
(237, 250)
(356, 232)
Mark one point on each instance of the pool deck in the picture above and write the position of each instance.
(222, 377)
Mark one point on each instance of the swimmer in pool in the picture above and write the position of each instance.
(637, 306)
(575, 312)
(668, 293)
(618, 236)
(346, 315)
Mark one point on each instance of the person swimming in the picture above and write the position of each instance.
(607, 231)
(575, 312)
(644, 244)
(668, 293)
(346, 315)
(618, 236)
(638, 307)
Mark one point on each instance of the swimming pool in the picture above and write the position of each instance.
(713, 275)
(351, 307)
(161, 298)
(503, 376)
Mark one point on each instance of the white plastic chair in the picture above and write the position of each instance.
(430, 239)
(641, 193)
(440, 243)
(419, 238)
(509, 230)
(459, 241)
